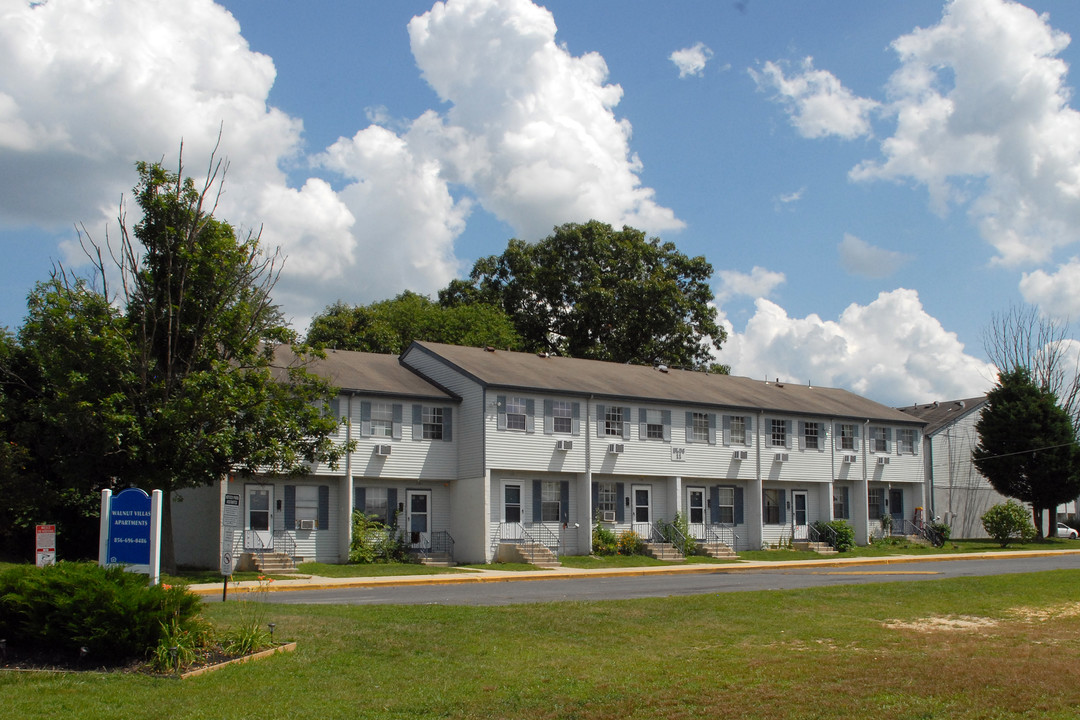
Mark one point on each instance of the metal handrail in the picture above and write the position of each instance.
(442, 542)
(523, 536)
(825, 534)
(670, 533)
(712, 535)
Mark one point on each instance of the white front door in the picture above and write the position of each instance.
(799, 515)
(418, 517)
(511, 512)
(641, 499)
(696, 511)
(259, 524)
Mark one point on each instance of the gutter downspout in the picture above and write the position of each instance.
(347, 503)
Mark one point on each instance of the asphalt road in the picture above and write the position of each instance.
(594, 587)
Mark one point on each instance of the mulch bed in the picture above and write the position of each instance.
(44, 660)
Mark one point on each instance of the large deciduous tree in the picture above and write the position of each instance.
(181, 384)
(1027, 445)
(591, 291)
(390, 326)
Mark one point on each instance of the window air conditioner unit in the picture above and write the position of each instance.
(564, 444)
(739, 455)
(781, 457)
(609, 516)
(383, 450)
(850, 459)
(307, 524)
(616, 448)
(883, 461)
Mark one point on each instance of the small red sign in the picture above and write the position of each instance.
(46, 538)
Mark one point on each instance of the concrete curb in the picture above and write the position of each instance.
(487, 576)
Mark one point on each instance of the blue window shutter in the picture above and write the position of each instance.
(601, 416)
(915, 441)
(783, 506)
(595, 498)
(821, 429)
(787, 434)
(365, 418)
(575, 418)
(626, 423)
(643, 419)
(689, 427)
(847, 508)
(537, 500)
(836, 436)
(360, 499)
(749, 430)
(395, 431)
(714, 504)
(417, 422)
(712, 428)
(855, 437)
(335, 408)
(726, 430)
(448, 424)
(530, 411)
(888, 439)
(802, 435)
(738, 506)
(665, 418)
(391, 506)
(324, 507)
(500, 403)
(620, 501)
(564, 501)
(290, 507)
(549, 422)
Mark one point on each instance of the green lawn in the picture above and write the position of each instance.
(884, 650)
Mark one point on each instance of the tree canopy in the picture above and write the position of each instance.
(390, 326)
(172, 383)
(591, 291)
(1027, 445)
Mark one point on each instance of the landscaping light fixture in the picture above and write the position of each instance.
(272, 626)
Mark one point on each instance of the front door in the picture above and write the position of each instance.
(695, 512)
(641, 497)
(259, 526)
(511, 512)
(799, 523)
(896, 507)
(418, 517)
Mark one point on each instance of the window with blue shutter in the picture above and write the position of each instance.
(324, 507)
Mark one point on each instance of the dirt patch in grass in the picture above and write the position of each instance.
(962, 623)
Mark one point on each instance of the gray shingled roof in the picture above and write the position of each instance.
(369, 373)
(939, 414)
(530, 372)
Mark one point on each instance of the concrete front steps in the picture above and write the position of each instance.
(437, 560)
(819, 547)
(531, 553)
(663, 551)
(268, 563)
(718, 550)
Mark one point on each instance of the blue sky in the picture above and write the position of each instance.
(870, 181)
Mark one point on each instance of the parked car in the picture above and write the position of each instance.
(1064, 531)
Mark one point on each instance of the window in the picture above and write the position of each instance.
(875, 501)
(907, 441)
(433, 423)
(382, 419)
(778, 436)
(812, 436)
(515, 413)
(654, 425)
(847, 437)
(613, 421)
(307, 504)
(699, 427)
(606, 498)
(549, 501)
(771, 506)
(562, 417)
(726, 505)
(375, 503)
(738, 430)
(512, 503)
(878, 442)
(840, 503)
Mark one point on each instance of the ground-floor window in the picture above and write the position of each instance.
(307, 504)
(375, 504)
(726, 505)
(840, 503)
(875, 501)
(550, 506)
(606, 499)
(771, 507)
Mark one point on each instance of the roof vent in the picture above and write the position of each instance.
(490, 349)
(662, 368)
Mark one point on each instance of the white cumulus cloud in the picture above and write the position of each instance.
(818, 104)
(859, 257)
(759, 283)
(691, 60)
(891, 351)
(1057, 294)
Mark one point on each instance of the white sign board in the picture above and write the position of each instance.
(230, 511)
(46, 545)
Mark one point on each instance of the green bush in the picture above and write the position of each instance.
(841, 537)
(939, 532)
(1008, 521)
(114, 614)
(604, 541)
(677, 533)
(630, 543)
(373, 542)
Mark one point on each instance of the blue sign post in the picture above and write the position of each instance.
(131, 531)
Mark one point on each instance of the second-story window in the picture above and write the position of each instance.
(562, 418)
(738, 430)
(654, 425)
(515, 413)
(878, 440)
(779, 433)
(811, 435)
(847, 436)
(613, 421)
(433, 423)
(699, 427)
(382, 419)
(907, 441)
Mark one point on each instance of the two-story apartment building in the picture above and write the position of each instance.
(487, 447)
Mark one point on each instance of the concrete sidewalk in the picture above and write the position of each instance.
(472, 575)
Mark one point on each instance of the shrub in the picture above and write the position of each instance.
(1008, 521)
(837, 533)
(630, 543)
(939, 532)
(604, 541)
(677, 533)
(373, 542)
(114, 614)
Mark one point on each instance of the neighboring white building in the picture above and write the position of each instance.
(470, 448)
